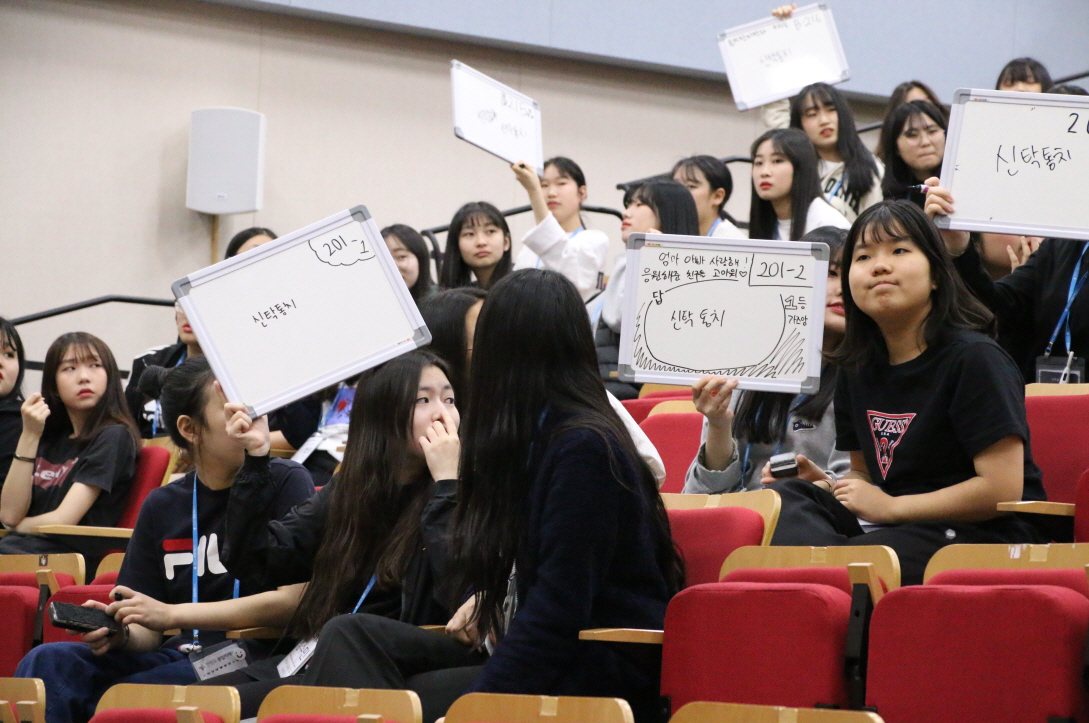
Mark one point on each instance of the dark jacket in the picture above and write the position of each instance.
(1029, 302)
(276, 552)
(589, 560)
(143, 407)
(11, 428)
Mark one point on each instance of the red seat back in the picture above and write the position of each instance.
(18, 607)
(757, 643)
(1059, 426)
(640, 408)
(995, 653)
(677, 439)
(146, 715)
(1070, 577)
(706, 537)
(150, 468)
(76, 595)
(836, 577)
(1081, 509)
(29, 579)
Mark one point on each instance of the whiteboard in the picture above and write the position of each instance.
(303, 312)
(1016, 163)
(750, 309)
(772, 59)
(495, 117)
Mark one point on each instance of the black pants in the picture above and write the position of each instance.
(369, 651)
(254, 683)
(811, 516)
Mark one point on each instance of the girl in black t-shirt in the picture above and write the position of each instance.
(12, 364)
(76, 455)
(929, 406)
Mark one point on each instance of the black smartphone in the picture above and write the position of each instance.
(85, 620)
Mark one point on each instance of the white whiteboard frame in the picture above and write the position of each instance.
(949, 161)
(456, 66)
(637, 241)
(731, 71)
(255, 408)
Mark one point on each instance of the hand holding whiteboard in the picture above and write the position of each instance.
(495, 117)
(750, 309)
(303, 312)
(1016, 163)
(772, 59)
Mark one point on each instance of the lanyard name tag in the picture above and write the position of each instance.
(1060, 370)
(218, 660)
(299, 656)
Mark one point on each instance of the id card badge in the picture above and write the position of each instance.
(1052, 369)
(299, 656)
(226, 657)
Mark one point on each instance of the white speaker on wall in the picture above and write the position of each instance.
(226, 161)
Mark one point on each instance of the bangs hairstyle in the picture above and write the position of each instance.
(111, 408)
(671, 202)
(373, 521)
(534, 361)
(805, 184)
(415, 244)
(898, 175)
(182, 390)
(859, 167)
(444, 314)
(567, 169)
(455, 272)
(10, 339)
(243, 236)
(714, 171)
(953, 306)
(898, 98)
(1024, 70)
(761, 417)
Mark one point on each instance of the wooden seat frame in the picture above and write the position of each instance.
(504, 708)
(706, 712)
(221, 700)
(395, 706)
(1008, 557)
(765, 502)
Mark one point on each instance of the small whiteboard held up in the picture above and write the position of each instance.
(495, 117)
(772, 59)
(1017, 163)
(750, 309)
(303, 312)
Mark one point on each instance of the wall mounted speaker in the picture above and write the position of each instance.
(226, 161)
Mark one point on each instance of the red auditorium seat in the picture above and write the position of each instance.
(640, 408)
(98, 589)
(20, 596)
(706, 537)
(1059, 426)
(313, 704)
(677, 439)
(128, 703)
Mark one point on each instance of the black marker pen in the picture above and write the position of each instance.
(918, 189)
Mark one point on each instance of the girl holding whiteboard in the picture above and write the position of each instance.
(76, 455)
(929, 406)
(786, 198)
(560, 241)
(477, 247)
(711, 184)
(743, 430)
(654, 207)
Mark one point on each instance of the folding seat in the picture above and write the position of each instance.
(128, 703)
(677, 439)
(26, 581)
(504, 708)
(312, 704)
(22, 699)
(706, 712)
(98, 589)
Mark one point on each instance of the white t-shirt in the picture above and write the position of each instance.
(725, 229)
(820, 214)
(833, 190)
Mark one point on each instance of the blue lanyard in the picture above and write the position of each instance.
(835, 189)
(195, 647)
(779, 446)
(374, 578)
(714, 226)
(158, 405)
(1076, 282)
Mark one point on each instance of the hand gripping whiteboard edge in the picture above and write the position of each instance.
(182, 289)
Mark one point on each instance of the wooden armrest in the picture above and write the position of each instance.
(434, 628)
(1062, 509)
(47, 578)
(281, 452)
(256, 634)
(623, 635)
(121, 533)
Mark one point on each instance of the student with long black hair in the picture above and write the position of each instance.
(560, 241)
(786, 198)
(914, 144)
(1026, 75)
(409, 251)
(742, 430)
(372, 543)
(663, 206)
(710, 182)
(12, 368)
(477, 247)
(451, 317)
(76, 454)
(929, 406)
(907, 92)
(850, 175)
(172, 577)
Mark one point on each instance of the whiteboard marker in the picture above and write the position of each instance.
(918, 189)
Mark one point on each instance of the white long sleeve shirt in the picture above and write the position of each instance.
(580, 255)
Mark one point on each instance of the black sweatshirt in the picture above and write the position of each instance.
(1029, 302)
(589, 561)
(274, 552)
